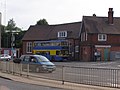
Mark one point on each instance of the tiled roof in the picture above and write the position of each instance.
(94, 24)
(46, 32)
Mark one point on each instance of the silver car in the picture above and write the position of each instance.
(5, 57)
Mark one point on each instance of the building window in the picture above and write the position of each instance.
(102, 37)
(117, 55)
(76, 48)
(29, 47)
(62, 34)
(84, 36)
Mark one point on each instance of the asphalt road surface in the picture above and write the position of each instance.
(6, 84)
(102, 64)
(95, 73)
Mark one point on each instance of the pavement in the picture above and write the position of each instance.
(52, 83)
(3, 88)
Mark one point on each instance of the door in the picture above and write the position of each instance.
(106, 54)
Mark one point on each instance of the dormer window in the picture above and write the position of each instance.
(62, 34)
(102, 37)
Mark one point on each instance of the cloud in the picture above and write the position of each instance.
(27, 12)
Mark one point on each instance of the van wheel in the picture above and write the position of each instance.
(50, 71)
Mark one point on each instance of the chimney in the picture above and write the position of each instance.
(110, 16)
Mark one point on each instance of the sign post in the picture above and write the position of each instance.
(12, 45)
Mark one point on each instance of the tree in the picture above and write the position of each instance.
(11, 26)
(42, 22)
(6, 33)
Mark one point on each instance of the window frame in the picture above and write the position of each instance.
(62, 34)
(77, 48)
(29, 47)
(102, 37)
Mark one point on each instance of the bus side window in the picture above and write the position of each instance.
(57, 52)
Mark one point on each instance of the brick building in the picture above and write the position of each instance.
(94, 36)
(52, 32)
(101, 35)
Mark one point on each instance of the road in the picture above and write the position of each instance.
(12, 85)
(107, 64)
(95, 73)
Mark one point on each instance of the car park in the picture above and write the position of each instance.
(5, 57)
(37, 63)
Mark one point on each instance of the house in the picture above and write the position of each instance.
(68, 31)
(100, 35)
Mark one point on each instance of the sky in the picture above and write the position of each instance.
(28, 12)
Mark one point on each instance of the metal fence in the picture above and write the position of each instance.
(80, 75)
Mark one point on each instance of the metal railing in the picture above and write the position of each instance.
(80, 75)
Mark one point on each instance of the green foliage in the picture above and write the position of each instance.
(11, 26)
(2, 29)
(6, 35)
(42, 22)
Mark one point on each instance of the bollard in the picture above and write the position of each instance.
(27, 70)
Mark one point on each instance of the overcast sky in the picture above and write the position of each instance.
(28, 12)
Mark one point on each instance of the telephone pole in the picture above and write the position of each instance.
(0, 30)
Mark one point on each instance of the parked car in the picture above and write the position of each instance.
(5, 57)
(37, 63)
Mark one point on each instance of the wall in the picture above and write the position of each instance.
(92, 40)
(111, 39)
(85, 53)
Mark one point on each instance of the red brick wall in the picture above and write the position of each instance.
(111, 39)
(115, 48)
(24, 48)
(86, 53)
(114, 39)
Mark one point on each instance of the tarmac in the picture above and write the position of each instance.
(52, 83)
